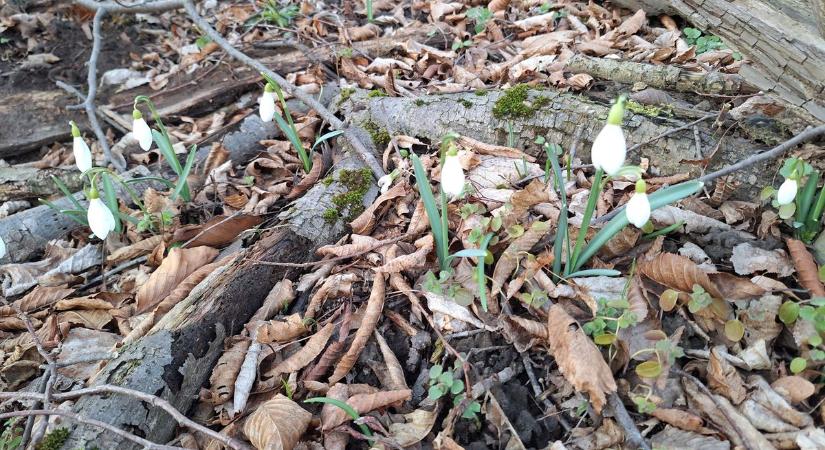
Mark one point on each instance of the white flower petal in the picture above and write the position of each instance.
(82, 154)
(787, 191)
(452, 177)
(142, 133)
(101, 220)
(638, 210)
(609, 149)
(384, 183)
(267, 106)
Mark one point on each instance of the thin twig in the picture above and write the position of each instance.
(140, 7)
(632, 434)
(669, 132)
(321, 262)
(534, 383)
(148, 398)
(125, 266)
(96, 423)
(351, 133)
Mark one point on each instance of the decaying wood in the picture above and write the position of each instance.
(659, 76)
(176, 357)
(778, 37)
(29, 183)
(34, 118)
(556, 117)
(203, 89)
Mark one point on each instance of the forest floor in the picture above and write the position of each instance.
(263, 300)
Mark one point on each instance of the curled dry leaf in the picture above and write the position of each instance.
(579, 360)
(246, 377)
(359, 245)
(298, 360)
(415, 259)
(276, 301)
(217, 232)
(416, 427)
(39, 297)
(394, 369)
(678, 272)
(679, 418)
(364, 403)
(140, 248)
(794, 387)
(178, 265)
(281, 330)
(339, 284)
(372, 313)
(805, 267)
(310, 179)
(509, 259)
(365, 222)
(186, 286)
(277, 424)
(222, 380)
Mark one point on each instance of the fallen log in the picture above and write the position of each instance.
(39, 118)
(659, 76)
(176, 357)
(778, 38)
(556, 116)
(29, 183)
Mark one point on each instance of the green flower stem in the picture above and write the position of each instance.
(562, 237)
(445, 227)
(595, 190)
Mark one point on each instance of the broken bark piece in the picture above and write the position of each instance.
(175, 358)
(488, 115)
(29, 183)
(659, 76)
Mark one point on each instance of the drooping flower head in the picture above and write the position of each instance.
(266, 103)
(141, 130)
(100, 218)
(609, 148)
(82, 154)
(787, 191)
(452, 174)
(638, 207)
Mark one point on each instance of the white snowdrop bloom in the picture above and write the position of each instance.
(384, 183)
(141, 130)
(638, 207)
(266, 103)
(452, 175)
(100, 218)
(787, 192)
(2, 247)
(609, 149)
(82, 154)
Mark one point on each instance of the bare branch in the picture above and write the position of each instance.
(350, 133)
(138, 7)
(93, 422)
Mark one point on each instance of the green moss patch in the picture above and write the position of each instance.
(380, 137)
(514, 103)
(349, 204)
(53, 440)
(648, 110)
(376, 93)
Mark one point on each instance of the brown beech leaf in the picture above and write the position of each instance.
(498, 5)
(416, 427)
(522, 200)
(309, 179)
(360, 244)
(339, 285)
(579, 360)
(281, 330)
(394, 370)
(415, 259)
(679, 418)
(39, 297)
(365, 222)
(483, 148)
(632, 24)
(805, 267)
(140, 248)
(678, 272)
(364, 403)
(794, 388)
(222, 380)
(276, 301)
(735, 288)
(724, 378)
(217, 232)
(637, 299)
(277, 424)
(298, 360)
(328, 358)
(175, 268)
(372, 313)
(509, 259)
(185, 287)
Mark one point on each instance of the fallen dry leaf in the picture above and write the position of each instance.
(277, 424)
(219, 231)
(794, 387)
(300, 359)
(372, 313)
(679, 273)
(178, 265)
(364, 403)
(805, 267)
(222, 380)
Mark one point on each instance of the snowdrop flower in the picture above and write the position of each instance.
(386, 181)
(638, 208)
(787, 191)
(452, 175)
(2, 248)
(100, 218)
(82, 154)
(141, 130)
(609, 148)
(267, 103)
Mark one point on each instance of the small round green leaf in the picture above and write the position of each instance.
(789, 312)
(734, 330)
(435, 392)
(446, 378)
(668, 299)
(649, 369)
(798, 365)
(435, 371)
(457, 387)
(787, 211)
(605, 339)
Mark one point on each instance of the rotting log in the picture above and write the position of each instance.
(780, 39)
(208, 86)
(175, 359)
(29, 183)
(659, 76)
(34, 118)
(556, 116)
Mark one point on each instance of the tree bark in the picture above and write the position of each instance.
(176, 357)
(29, 183)
(780, 39)
(471, 114)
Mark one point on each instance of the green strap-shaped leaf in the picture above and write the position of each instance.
(347, 409)
(423, 183)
